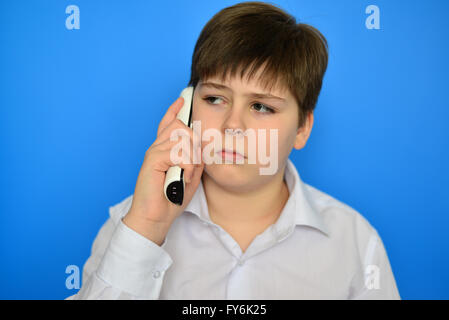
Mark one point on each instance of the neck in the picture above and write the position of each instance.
(255, 207)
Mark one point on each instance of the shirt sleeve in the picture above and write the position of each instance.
(123, 265)
(375, 281)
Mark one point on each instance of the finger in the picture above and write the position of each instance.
(175, 124)
(188, 167)
(193, 157)
(179, 152)
(178, 130)
(164, 142)
(171, 114)
(161, 159)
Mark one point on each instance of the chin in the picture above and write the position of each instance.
(237, 176)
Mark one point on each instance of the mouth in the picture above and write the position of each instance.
(231, 154)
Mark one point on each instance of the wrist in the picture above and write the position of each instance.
(152, 230)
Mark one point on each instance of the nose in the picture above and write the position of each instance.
(235, 120)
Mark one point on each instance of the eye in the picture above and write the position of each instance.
(259, 106)
(211, 99)
(263, 107)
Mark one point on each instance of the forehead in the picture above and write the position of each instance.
(254, 83)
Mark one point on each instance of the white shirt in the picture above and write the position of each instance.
(319, 248)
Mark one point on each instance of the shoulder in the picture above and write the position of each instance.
(337, 214)
(345, 224)
(357, 245)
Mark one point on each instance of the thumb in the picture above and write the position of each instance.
(196, 177)
(194, 183)
(197, 173)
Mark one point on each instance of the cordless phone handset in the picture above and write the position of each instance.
(174, 185)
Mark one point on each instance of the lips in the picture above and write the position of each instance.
(231, 153)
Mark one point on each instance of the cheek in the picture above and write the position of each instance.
(206, 125)
(204, 114)
(282, 142)
(277, 141)
(205, 121)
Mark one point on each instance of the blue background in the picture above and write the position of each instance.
(79, 108)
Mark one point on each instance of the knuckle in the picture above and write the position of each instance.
(176, 123)
(179, 128)
(148, 151)
(180, 123)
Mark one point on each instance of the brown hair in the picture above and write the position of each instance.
(252, 34)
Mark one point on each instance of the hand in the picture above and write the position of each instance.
(151, 214)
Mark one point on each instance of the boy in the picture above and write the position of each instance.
(240, 234)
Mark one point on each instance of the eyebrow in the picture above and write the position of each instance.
(252, 94)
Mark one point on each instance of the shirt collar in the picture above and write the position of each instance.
(299, 209)
(305, 212)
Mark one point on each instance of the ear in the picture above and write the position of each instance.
(303, 133)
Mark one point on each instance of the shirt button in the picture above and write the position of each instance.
(240, 263)
(156, 274)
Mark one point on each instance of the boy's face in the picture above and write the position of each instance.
(233, 107)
